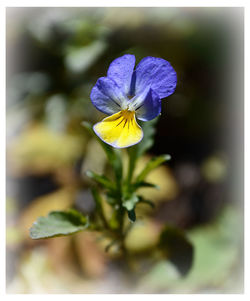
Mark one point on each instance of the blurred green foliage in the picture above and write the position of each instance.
(216, 250)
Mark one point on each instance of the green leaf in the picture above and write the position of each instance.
(100, 179)
(145, 184)
(176, 248)
(132, 215)
(98, 201)
(112, 154)
(148, 202)
(152, 164)
(58, 223)
(130, 203)
(217, 247)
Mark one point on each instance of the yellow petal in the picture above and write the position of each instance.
(120, 129)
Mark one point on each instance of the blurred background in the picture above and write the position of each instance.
(54, 57)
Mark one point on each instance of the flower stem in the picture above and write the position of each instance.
(131, 166)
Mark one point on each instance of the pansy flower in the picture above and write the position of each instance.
(127, 94)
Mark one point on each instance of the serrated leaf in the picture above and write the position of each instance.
(58, 223)
(100, 179)
(177, 248)
(152, 164)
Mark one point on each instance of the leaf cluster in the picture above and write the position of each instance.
(121, 193)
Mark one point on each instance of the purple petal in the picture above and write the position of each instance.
(150, 107)
(156, 73)
(121, 70)
(106, 96)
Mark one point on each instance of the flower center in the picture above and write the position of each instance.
(127, 114)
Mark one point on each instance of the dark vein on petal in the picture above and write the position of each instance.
(115, 102)
(125, 123)
(118, 117)
(119, 122)
(139, 107)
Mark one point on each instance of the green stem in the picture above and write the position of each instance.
(131, 167)
(130, 171)
(123, 187)
(99, 207)
(118, 169)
